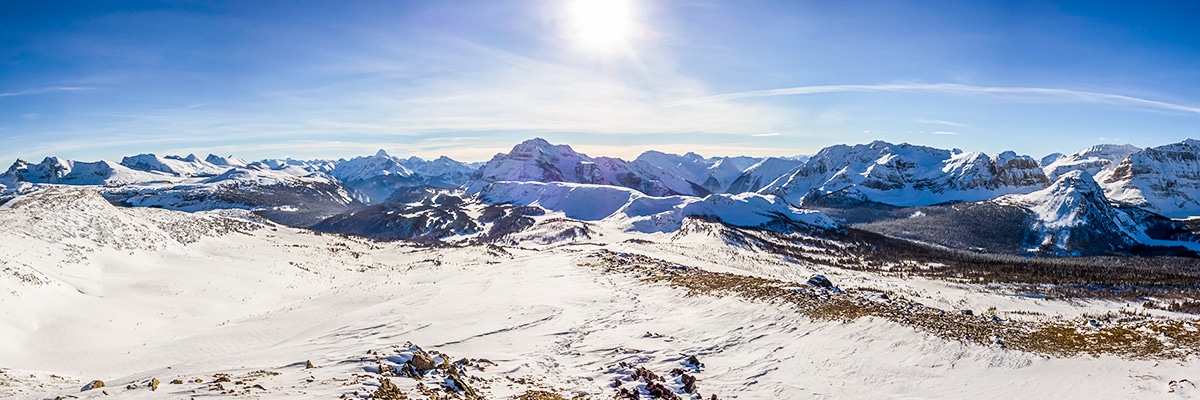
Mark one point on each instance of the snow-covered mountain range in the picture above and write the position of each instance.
(876, 270)
(1114, 185)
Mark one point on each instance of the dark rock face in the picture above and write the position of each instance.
(1010, 170)
(435, 218)
(819, 281)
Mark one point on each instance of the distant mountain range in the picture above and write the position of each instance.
(1105, 199)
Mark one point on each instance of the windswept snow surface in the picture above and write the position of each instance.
(258, 302)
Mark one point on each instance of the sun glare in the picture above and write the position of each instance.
(603, 26)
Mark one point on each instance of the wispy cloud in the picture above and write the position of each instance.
(43, 90)
(941, 122)
(515, 95)
(772, 134)
(944, 133)
(949, 88)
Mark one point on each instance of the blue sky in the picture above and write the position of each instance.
(90, 80)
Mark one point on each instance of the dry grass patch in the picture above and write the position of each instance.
(1134, 337)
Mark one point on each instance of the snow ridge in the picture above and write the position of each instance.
(907, 175)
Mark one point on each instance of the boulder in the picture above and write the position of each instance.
(820, 281)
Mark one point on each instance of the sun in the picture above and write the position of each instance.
(602, 26)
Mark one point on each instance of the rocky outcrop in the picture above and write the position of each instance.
(909, 175)
(1164, 179)
(653, 173)
(1074, 217)
(1098, 161)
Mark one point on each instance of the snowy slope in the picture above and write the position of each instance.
(244, 308)
(321, 166)
(442, 172)
(1074, 214)
(291, 195)
(189, 166)
(364, 168)
(1164, 179)
(1049, 159)
(537, 160)
(634, 211)
(1098, 161)
(763, 174)
(713, 174)
(229, 161)
(68, 172)
(1073, 217)
(373, 179)
(533, 160)
(905, 174)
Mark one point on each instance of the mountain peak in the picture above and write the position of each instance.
(381, 153)
(537, 144)
(1077, 180)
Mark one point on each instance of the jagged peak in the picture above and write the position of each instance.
(189, 158)
(534, 143)
(1011, 157)
(381, 153)
(535, 146)
(1007, 154)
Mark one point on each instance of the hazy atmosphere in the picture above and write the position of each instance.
(98, 80)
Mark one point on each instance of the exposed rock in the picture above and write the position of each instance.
(96, 384)
(689, 383)
(819, 281)
(1163, 179)
(909, 175)
(388, 391)
(422, 362)
(694, 362)
(539, 395)
(659, 391)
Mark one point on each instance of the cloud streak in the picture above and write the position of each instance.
(948, 88)
(941, 122)
(42, 90)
